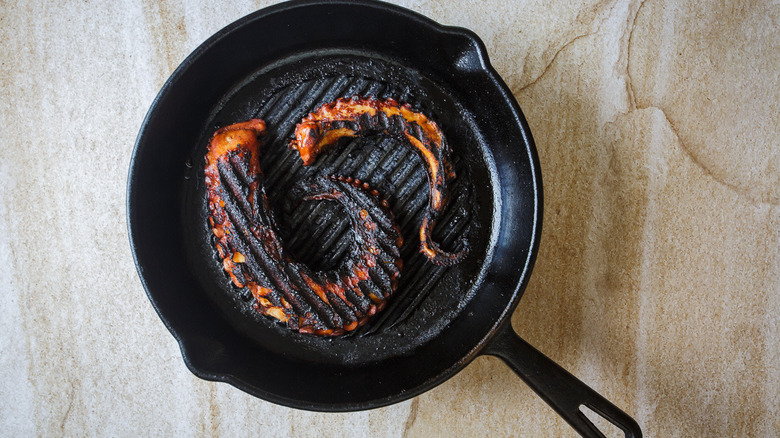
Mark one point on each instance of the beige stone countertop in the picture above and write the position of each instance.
(657, 281)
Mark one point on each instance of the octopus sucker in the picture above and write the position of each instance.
(359, 116)
(324, 303)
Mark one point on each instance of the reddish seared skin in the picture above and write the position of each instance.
(357, 116)
(320, 303)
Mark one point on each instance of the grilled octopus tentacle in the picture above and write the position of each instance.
(324, 303)
(357, 116)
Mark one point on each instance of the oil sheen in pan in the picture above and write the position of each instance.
(428, 296)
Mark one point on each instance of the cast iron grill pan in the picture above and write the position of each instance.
(278, 64)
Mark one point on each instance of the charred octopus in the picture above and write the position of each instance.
(329, 302)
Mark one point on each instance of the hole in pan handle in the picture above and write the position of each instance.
(556, 386)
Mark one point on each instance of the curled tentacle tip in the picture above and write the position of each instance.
(442, 258)
(448, 259)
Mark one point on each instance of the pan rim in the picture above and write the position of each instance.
(485, 68)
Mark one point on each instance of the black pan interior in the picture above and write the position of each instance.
(279, 64)
(428, 296)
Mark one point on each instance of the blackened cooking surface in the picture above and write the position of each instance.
(428, 296)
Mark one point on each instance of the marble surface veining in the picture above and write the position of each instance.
(657, 282)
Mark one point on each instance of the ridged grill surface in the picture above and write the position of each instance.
(317, 233)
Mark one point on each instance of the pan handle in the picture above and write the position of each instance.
(560, 389)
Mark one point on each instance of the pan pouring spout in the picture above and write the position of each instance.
(328, 303)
